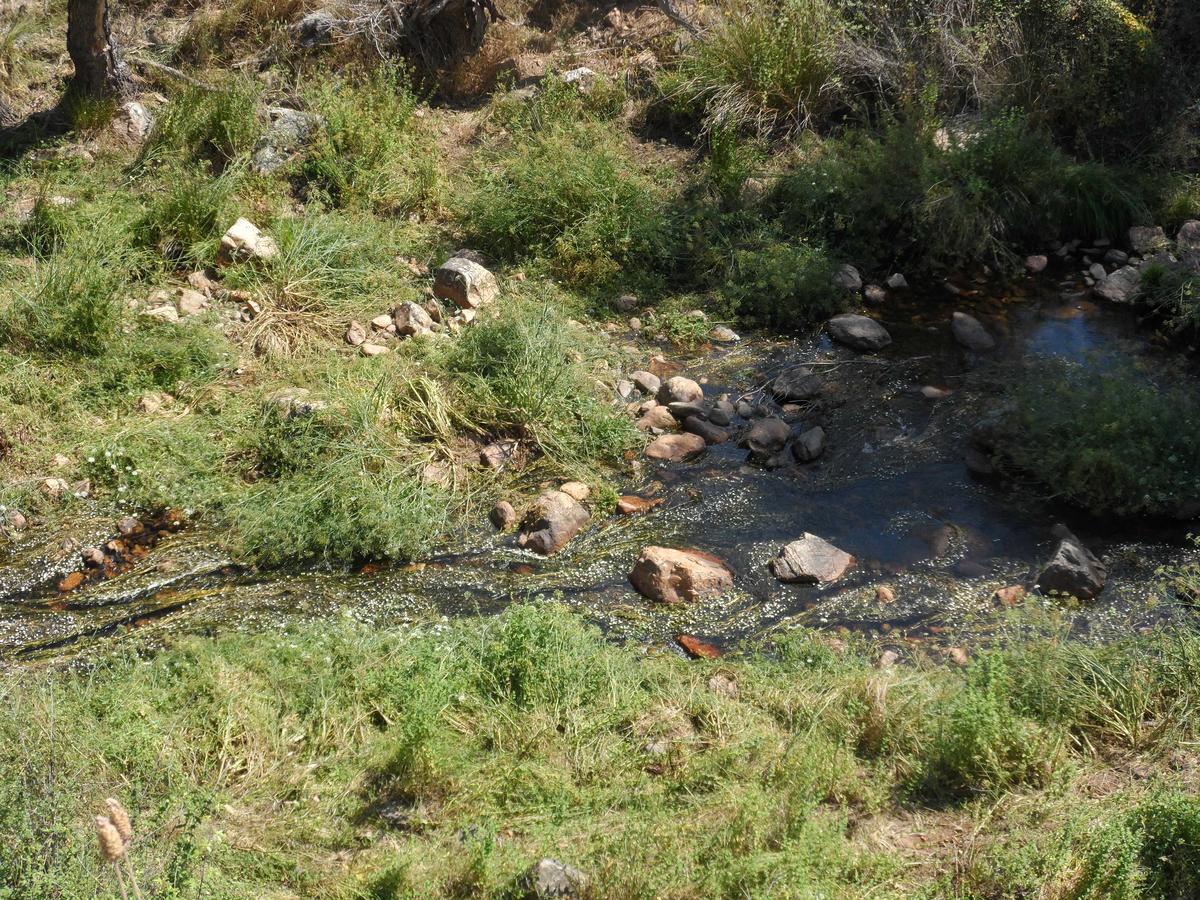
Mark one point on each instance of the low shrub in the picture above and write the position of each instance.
(1152, 851)
(1173, 294)
(529, 374)
(967, 195)
(572, 197)
(980, 743)
(1111, 441)
(784, 285)
(367, 155)
(187, 213)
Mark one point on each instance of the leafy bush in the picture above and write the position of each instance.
(570, 196)
(981, 742)
(557, 104)
(782, 284)
(1173, 293)
(957, 198)
(765, 66)
(1153, 851)
(365, 155)
(1110, 441)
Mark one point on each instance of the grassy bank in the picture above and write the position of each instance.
(443, 761)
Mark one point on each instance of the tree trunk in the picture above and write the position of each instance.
(99, 71)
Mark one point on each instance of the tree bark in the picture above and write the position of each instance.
(99, 71)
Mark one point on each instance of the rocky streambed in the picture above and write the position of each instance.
(875, 464)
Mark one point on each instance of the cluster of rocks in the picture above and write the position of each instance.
(553, 519)
(1115, 274)
(463, 281)
(848, 279)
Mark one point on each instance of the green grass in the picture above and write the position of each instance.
(574, 197)
(339, 761)
(1112, 443)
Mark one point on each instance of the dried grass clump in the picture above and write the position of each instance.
(114, 833)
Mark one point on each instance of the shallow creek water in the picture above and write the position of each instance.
(892, 489)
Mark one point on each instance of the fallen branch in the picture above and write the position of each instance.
(173, 72)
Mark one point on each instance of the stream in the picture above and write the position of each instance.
(892, 489)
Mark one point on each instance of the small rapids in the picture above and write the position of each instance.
(892, 489)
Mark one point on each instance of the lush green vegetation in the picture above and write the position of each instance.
(339, 761)
(1111, 443)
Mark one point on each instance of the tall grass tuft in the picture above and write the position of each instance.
(765, 67)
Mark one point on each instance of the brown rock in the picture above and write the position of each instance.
(678, 576)
(958, 656)
(356, 335)
(129, 527)
(576, 490)
(503, 515)
(93, 556)
(1009, 596)
(885, 594)
(70, 582)
(697, 648)
(766, 437)
(887, 659)
(465, 282)
(675, 447)
(630, 505)
(553, 520)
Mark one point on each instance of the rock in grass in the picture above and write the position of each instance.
(551, 522)
(498, 454)
(576, 490)
(411, 319)
(858, 332)
(1144, 239)
(465, 283)
(315, 29)
(132, 122)
(723, 335)
(675, 447)
(549, 878)
(294, 402)
(1073, 571)
(970, 333)
(503, 515)
(244, 242)
(811, 560)
(1121, 286)
(356, 335)
(679, 576)
(1188, 237)
(289, 131)
(679, 390)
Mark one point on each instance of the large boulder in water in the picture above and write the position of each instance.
(1073, 570)
(970, 333)
(1121, 286)
(796, 385)
(678, 576)
(553, 520)
(766, 437)
(811, 560)
(680, 390)
(858, 332)
(675, 447)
